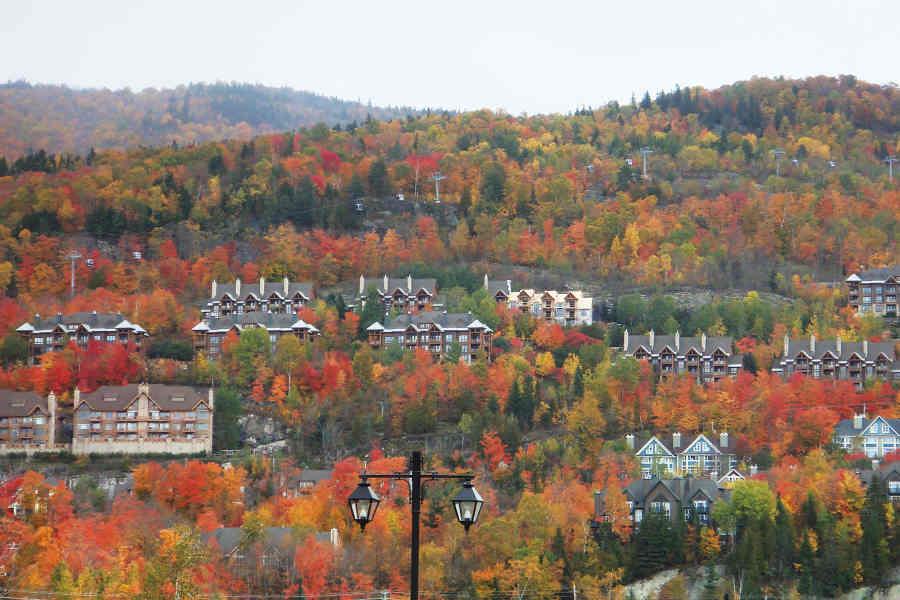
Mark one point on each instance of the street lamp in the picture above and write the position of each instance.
(364, 503)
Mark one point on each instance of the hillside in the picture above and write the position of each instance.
(61, 119)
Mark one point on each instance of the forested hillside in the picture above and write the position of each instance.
(62, 119)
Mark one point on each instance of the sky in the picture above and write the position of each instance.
(523, 57)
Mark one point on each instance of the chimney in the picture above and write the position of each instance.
(858, 420)
(676, 440)
(865, 348)
(212, 293)
(362, 285)
(753, 470)
(262, 287)
(509, 286)
(486, 286)
(211, 398)
(812, 344)
(677, 340)
(787, 344)
(703, 341)
(652, 339)
(629, 441)
(51, 421)
(837, 342)
(409, 282)
(625, 341)
(237, 288)
(875, 464)
(287, 287)
(386, 283)
(76, 398)
(723, 439)
(59, 317)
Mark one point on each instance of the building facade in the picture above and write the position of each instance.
(660, 456)
(277, 297)
(836, 359)
(52, 334)
(435, 332)
(569, 309)
(209, 333)
(874, 291)
(875, 437)
(679, 498)
(707, 359)
(143, 419)
(27, 422)
(501, 290)
(408, 294)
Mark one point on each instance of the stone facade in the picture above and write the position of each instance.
(143, 419)
(27, 422)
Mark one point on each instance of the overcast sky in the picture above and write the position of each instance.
(522, 56)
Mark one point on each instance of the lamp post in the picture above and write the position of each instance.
(364, 504)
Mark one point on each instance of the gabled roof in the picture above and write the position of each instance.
(429, 284)
(21, 404)
(228, 539)
(682, 347)
(119, 397)
(266, 320)
(876, 275)
(684, 489)
(731, 474)
(91, 321)
(668, 451)
(687, 448)
(882, 420)
(866, 351)
(276, 285)
(845, 427)
(444, 321)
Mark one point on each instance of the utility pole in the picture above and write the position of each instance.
(644, 152)
(73, 256)
(779, 154)
(890, 160)
(437, 186)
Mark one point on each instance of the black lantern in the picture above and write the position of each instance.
(363, 504)
(468, 503)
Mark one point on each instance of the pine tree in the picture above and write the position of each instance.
(650, 548)
(711, 584)
(783, 558)
(874, 549)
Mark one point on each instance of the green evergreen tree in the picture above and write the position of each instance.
(650, 548)
(783, 557)
(874, 550)
(372, 312)
(379, 185)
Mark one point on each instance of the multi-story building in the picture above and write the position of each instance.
(836, 359)
(278, 297)
(143, 419)
(705, 358)
(406, 293)
(54, 333)
(27, 422)
(209, 333)
(570, 308)
(684, 498)
(500, 290)
(435, 332)
(876, 437)
(889, 475)
(661, 457)
(874, 291)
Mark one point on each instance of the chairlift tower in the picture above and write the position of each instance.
(644, 152)
(890, 160)
(437, 177)
(73, 256)
(779, 154)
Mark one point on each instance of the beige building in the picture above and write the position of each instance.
(874, 291)
(27, 422)
(143, 419)
(569, 309)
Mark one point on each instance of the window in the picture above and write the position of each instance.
(894, 488)
(448, 338)
(388, 339)
(111, 338)
(463, 337)
(660, 508)
(38, 341)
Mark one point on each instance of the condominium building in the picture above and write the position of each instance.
(406, 293)
(27, 422)
(143, 419)
(569, 309)
(874, 291)
(660, 456)
(706, 358)
(278, 297)
(435, 332)
(211, 331)
(679, 498)
(876, 437)
(837, 359)
(54, 333)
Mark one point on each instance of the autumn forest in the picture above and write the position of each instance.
(734, 212)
